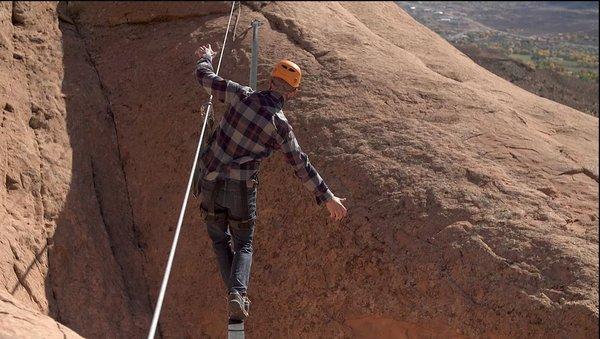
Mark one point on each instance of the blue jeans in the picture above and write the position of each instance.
(231, 228)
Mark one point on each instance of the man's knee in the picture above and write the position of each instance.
(243, 246)
(243, 232)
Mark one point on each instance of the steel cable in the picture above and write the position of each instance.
(165, 280)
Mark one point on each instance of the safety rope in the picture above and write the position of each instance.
(163, 286)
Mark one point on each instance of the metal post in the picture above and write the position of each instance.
(237, 18)
(254, 62)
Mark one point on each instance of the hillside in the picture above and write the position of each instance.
(568, 90)
(547, 47)
(473, 203)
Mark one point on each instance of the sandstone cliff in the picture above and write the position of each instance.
(473, 203)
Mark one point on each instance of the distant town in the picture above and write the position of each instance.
(557, 35)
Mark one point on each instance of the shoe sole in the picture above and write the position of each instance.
(237, 310)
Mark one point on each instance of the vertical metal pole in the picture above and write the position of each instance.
(237, 18)
(254, 61)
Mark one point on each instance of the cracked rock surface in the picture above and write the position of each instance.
(473, 203)
(68, 244)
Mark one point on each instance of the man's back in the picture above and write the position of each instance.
(253, 127)
(245, 135)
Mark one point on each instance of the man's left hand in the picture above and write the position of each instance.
(337, 210)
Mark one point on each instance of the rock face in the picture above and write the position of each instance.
(473, 203)
(68, 237)
(19, 321)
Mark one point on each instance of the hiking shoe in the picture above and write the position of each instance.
(246, 304)
(237, 306)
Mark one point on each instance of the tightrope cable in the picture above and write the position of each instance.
(163, 286)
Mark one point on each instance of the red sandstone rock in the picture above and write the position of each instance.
(19, 321)
(473, 203)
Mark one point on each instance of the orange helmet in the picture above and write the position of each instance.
(288, 72)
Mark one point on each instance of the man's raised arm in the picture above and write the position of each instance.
(223, 90)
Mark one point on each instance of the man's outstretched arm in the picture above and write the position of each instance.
(306, 172)
(223, 90)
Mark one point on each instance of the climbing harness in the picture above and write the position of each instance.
(165, 280)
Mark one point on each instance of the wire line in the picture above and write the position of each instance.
(163, 287)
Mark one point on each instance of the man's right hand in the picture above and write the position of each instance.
(205, 50)
(337, 210)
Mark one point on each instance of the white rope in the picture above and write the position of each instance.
(163, 286)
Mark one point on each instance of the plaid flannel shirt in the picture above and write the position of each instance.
(253, 127)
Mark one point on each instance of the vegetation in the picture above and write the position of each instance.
(561, 56)
(558, 36)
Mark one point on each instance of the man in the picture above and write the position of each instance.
(253, 127)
